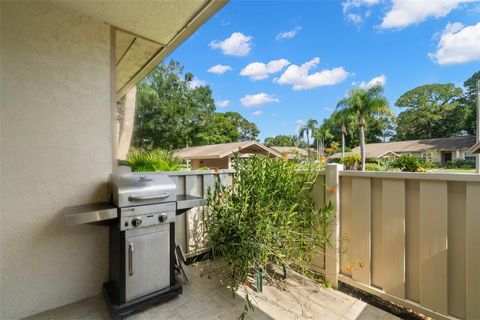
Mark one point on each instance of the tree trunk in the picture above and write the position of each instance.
(126, 130)
(361, 123)
(308, 147)
(343, 145)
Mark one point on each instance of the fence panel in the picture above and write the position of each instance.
(413, 238)
(393, 236)
(189, 228)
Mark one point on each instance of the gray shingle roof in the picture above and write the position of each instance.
(376, 150)
(217, 151)
(294, 152)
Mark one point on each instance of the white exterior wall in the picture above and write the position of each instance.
(56, 151)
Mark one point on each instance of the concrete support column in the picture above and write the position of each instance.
(332, 195)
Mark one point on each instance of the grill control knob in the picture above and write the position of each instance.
(137, 222)
(162, 218)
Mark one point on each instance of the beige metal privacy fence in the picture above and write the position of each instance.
(411, 238)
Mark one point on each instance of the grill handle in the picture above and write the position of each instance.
(130, 259)
(142, 198)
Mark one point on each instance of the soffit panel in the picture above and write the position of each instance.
(157, 20)
(139, 53)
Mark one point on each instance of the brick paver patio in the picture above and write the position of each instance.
(205, 299)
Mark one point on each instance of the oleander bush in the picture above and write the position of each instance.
(266, 218)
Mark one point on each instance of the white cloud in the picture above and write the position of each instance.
(259, 71)
(358, 14)
(259, 99)
(300, 79)
(288, 34)
(299, 121)
(350, 4)
(379, 80)
(219, 69)
(257, 113)
(458, 44)
(195, 83)
(222, 103)
(237, 44)
(355, 18)
(405, 13)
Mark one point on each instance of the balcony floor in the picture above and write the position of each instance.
(208, 299)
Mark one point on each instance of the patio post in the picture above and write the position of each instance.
(332, 195)
(477, 131)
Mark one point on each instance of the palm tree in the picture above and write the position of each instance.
(306, 130)
(321, 134)
(346, 120)
(364, 103)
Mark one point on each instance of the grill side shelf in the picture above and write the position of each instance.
(102, 213)
(186, 202)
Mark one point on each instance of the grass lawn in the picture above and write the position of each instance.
(453, 170)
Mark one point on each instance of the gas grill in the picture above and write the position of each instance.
(142, 250)
(142, 243)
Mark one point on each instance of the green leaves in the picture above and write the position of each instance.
(156, 160)
(265, 218)
(407, 163)
(172, 113)
(432, 111)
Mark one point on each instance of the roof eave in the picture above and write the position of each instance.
(204, 14)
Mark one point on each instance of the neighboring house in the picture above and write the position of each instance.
(442, 149)
(220, 155)
(292, 152)
(475, 148)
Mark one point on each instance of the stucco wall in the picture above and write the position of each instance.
(55, 152)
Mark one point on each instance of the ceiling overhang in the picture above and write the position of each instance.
(146, 31)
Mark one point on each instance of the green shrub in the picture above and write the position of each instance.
(265, 218)
(460, 164)
(427, 163)
(407, 163)
(155, 160)
(351, 161)
(372, 167)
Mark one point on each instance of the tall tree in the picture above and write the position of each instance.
(227, 127)
(282, 141)
(364, 103)
(306, 131)
(345, 120)
(470, 86)
(321, 134)
(432, 111)
(172, 113)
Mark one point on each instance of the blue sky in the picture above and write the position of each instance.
(280, 62)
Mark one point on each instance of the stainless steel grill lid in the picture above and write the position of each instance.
(133, 189)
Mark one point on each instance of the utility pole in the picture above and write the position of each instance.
(477, 131)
